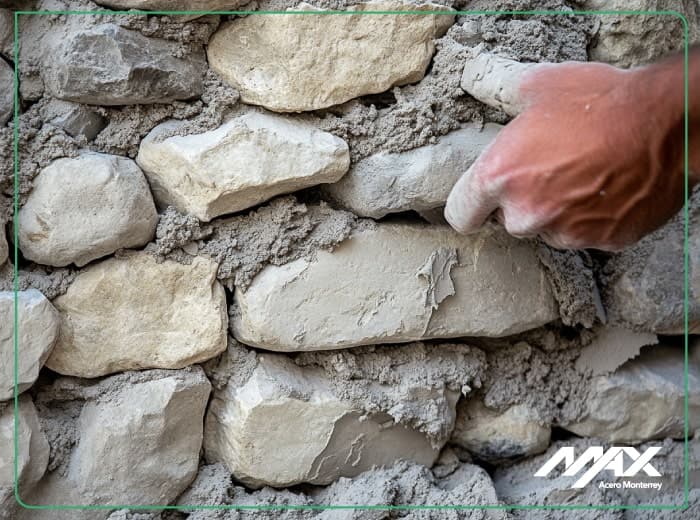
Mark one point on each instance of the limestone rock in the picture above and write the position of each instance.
(419, 180)
(85, 208)
(132, 312)
(395, 283)
(611, 347)
(38, 324)
(174, 5)
(296, 63)
(642, 400)
(136, 439)
(33, 453)
(494, 436)
(7, 89)
(643, 289)
(77, 120)
(110, 65)
(311, 435)
(631, 40)
(244, 162)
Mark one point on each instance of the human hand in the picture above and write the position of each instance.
(592, 160)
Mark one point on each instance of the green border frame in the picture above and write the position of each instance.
(18, 499)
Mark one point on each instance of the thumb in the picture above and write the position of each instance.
(469, 204)
(496, 81)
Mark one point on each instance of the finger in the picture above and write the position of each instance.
(469, 203)
(496, 81)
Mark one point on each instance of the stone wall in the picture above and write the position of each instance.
(236, 286)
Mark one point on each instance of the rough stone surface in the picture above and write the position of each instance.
(38, 324)
(7, 89)
(334, 414)
(77, 120)
(33, 453)
(133, 438)
(109, 65)
(631, 40)
(131, 313)
(642, 287)
(643, 399)
(493, 436)
(396, 283)
(418, 180)
(247, 160)
(312, 62)
(85, 208)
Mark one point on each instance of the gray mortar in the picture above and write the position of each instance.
(573, 282)
(51, 281)
(277, 233)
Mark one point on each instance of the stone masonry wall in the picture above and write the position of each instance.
(236, 286)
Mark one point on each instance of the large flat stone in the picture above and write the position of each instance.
(296, 63)
(110, 65)
(282, 424)
(38, 324)
(396, 283)
(84, 208)
(419, 180)
(244, 162)
(644, 399)
(136, 439)
(132, 312)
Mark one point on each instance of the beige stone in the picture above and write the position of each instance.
(284, 426)
(643, 399)
(137, 441)
(131, 312)
(492, 435)
(244, 162)
(33, 453)
(174, 5)
(296, 63)
(38, 324)
(84, 208)
(396, 283)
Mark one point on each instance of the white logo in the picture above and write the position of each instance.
(613, 460)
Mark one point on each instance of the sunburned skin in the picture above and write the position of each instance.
(594, 157)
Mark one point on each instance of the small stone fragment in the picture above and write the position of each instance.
(33, 453)
(310, 434)
(494, 436)
(7, 89)
(136, 441)
(371, 289)
(643, 399)
(38, 324)
(79, 120)
(289, 63)
(244, 162)
(85, 208)
(110, 65)
(419, 180)
(611, 348)
(131, 312)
